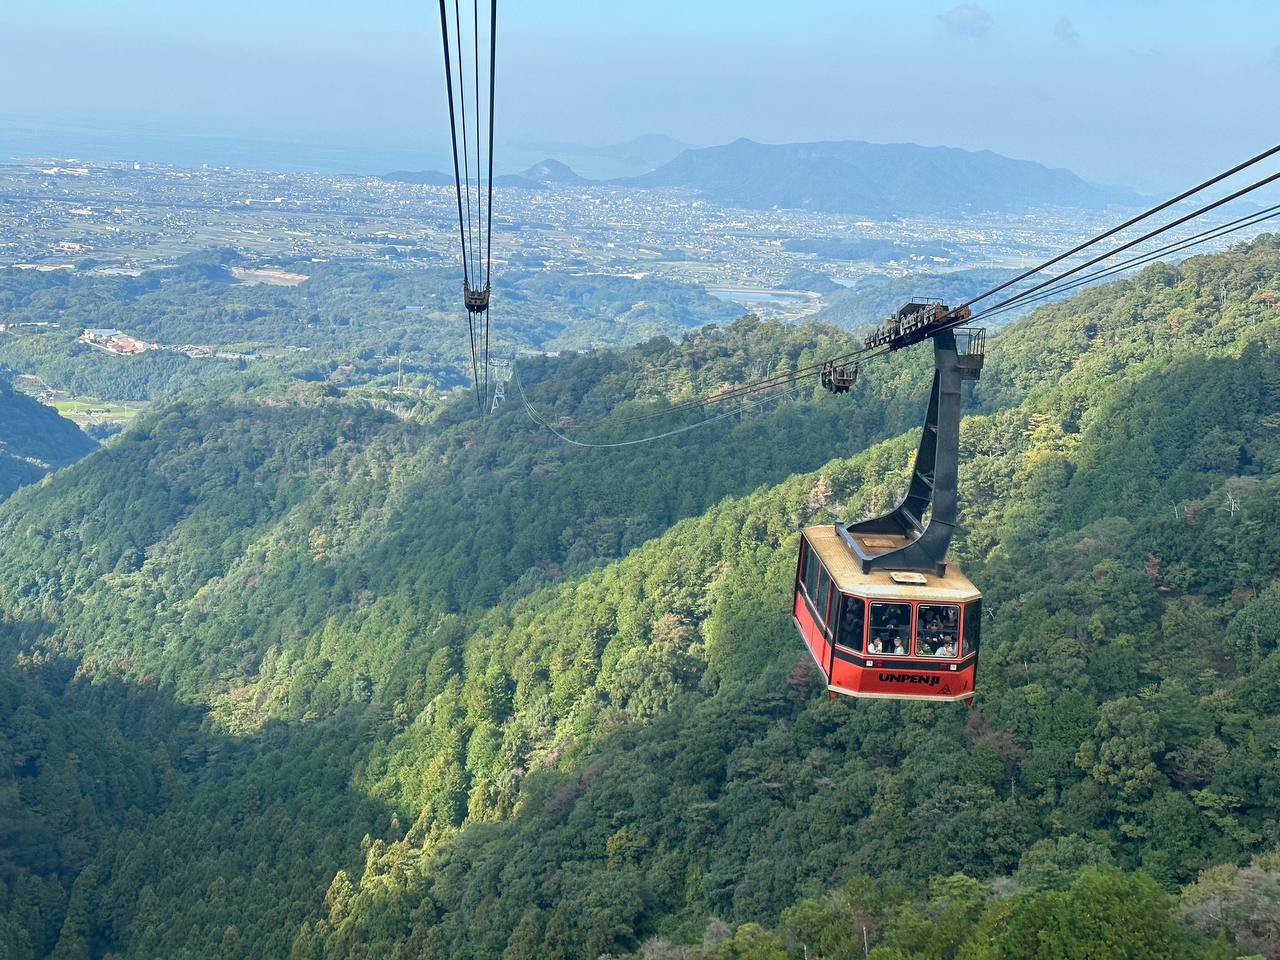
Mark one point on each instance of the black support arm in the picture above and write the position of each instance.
(920, 544)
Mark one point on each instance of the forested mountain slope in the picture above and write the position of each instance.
(34, 439)
(381, 323)
(615, 754)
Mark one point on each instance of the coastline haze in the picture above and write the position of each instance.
(284, 86)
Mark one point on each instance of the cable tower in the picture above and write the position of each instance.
(501, 369)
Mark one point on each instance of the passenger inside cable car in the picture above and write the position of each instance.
(937, 631)
(852, 614)
(881, 634)
(890, 626)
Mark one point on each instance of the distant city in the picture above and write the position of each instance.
(695, 236)
(112, 217)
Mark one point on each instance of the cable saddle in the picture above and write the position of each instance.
(839, 377)
(477, 301)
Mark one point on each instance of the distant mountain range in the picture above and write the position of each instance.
(850, 176)
(643, 154)
(876, 179)
(627, 159)
(541, 174)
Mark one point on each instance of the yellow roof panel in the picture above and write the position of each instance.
(846, 571)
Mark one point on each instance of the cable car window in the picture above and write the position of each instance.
(849, 632)
(820, 598)
(890, 629)
(972, 625)
(938, 630)
(811, 566)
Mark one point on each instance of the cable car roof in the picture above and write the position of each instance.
(846, 572)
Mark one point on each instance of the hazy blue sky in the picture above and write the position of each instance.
(1147, 93)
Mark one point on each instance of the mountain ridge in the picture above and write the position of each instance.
(541, 174)
(842, 176)
(871, 179)
(34, 439)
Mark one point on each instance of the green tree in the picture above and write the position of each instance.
(1104, 913)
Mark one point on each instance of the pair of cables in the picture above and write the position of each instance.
(475, 228)
(1050, 287)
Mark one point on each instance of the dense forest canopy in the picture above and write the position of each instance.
(34, 439)
(295, 676)
(378, 323)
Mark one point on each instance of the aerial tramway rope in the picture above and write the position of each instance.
(538, 419)
(1021, 297)
(1204, 185)
(1047, 288)
(488, 233)
(1151, 234)
(1012, 303)
(453, 136)
(475, 227)
(1213, 233)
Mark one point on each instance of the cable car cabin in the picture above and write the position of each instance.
(885, 633)
(876, 602)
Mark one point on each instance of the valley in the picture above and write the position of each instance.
(718, 481)
(362, 684)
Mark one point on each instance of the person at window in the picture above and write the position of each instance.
(938, 626)
(887, 622)
(873, 646)
(898, 650)
(851, 625)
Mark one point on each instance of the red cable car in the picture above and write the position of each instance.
(876, 603)
(887, 633)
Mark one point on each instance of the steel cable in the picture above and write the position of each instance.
(865, 354)
(1213, 233)
(1128, 223)
(453, 134)
(533, 415)
(475, 229)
